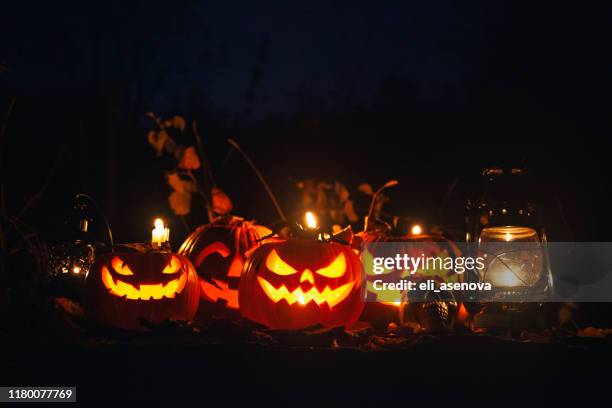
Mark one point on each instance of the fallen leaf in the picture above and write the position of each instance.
(591, 332)
(190, 159)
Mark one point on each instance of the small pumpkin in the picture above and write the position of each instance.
(133, 285)
(301, 282)
(217, 250)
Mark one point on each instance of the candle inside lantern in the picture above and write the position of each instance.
(416, 229)
(160, 234)
(511, 267)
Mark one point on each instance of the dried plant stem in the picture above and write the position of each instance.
(388, 184)
(43, 188)
(261, 178)
(209, 181)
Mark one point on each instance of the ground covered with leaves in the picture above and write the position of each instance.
(230, 360)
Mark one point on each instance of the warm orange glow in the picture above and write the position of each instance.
(277, 265)
(334, 270)
(173, 267)
(121, 267)
(311, 220)
(213, 293)
(509, 233)
(463, 313)
(307, 277)
(145, 292)
(76, 270)
(416, 230)
(331, 296)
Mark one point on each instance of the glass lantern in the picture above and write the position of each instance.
(506, 231)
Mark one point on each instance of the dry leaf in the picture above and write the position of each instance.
(180, 185)
(349, 211)
(180, 203)
(366, 188)
(178, 122)
(341, 191)
(157, 140)
(591, 332)
(221, 202)
(190, 160)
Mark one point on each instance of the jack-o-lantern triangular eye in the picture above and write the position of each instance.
(277, 265)
(121, 267)
(335, 269)
(173, 266)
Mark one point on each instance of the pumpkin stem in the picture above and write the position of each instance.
(389, 183)
(261, 178)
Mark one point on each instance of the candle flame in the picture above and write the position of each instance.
(159, 224)
(416, 230)
(311, 220)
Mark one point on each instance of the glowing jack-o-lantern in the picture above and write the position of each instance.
(301, 282)
(384, 307)
(123, 289)
(217, 250)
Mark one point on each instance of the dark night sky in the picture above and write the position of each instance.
(426, 92)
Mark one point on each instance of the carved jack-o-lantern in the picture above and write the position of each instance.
(123, 289)
(217, 250)
(299, 283)
(384, 307)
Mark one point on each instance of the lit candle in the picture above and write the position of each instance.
(160, 233)
(311, 221)
(416, 229)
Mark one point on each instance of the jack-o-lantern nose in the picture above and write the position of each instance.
(307, 276)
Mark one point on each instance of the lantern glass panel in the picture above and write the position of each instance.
(513, 269)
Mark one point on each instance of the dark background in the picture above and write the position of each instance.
(428, 93)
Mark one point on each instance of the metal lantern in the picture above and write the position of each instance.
(506, 231)
(73, 256)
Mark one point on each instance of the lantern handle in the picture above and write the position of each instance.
(97, 207)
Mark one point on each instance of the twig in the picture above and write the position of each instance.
(209, 181)
(260, 177)
(388, 184)
(44, 187)
(185, 224)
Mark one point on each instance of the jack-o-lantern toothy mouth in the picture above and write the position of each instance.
(145, 292)
(330, 296)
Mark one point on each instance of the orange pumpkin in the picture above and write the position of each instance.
(382, 311)
(217, 250)
(301, 282)
(129, 287)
